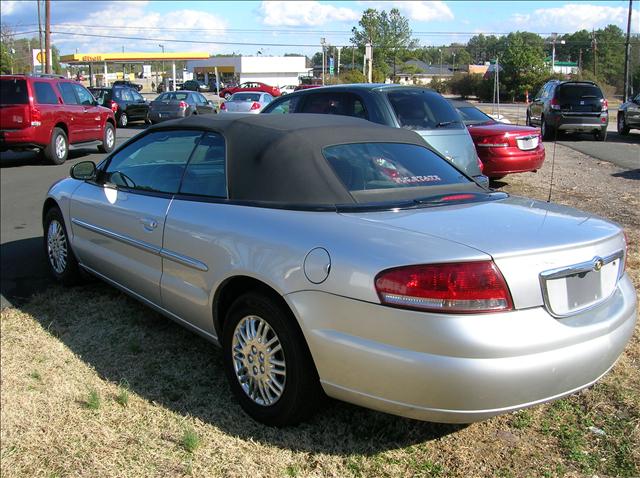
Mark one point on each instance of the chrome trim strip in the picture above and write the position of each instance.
(184, 260)
(209, 336)
(580, 268)
(145, 246)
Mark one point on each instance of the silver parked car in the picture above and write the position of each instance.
(179, 104)
(248, 102)
(332, 254)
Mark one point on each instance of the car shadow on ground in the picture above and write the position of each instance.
(23, 268)
(11, 159)
(629, 174)
(612, 137)
(163, 363)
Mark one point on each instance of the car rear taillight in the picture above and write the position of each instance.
(480, 163)
(183, 105)
(553, 104)
(114, 106)
(460, 288)
(605, 105)
(255, 106)
(36, 117)
(496, 141)
(223, 106)
(275, 92)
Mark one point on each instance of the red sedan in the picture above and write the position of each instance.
(502, 148)
(250, 86)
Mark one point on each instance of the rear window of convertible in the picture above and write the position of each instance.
(371, 166)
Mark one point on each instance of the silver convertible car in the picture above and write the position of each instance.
(329, 254)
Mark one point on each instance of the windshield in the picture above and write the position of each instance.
(471, 116)
(423, 110)
(13, 92)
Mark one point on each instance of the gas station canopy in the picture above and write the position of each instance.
(84, 58)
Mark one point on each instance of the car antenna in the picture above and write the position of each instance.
(553, 163)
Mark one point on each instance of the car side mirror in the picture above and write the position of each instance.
(84, 171)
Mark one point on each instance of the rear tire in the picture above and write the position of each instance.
(547, 131)
(276, 385)
(58, 149)
(623, 128)
(108, 139)
(123, 121)
(61, 261)
(601, 135)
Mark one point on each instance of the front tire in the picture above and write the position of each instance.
(61, 261)
(623, 128)
(267, 362)
(58, 149)
(123, 121)
(108, 139)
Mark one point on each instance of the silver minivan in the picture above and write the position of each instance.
(417, 108)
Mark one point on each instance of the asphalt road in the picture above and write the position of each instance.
(24, 182)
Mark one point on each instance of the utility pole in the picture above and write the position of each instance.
(323, 42)
(627, 54)
(47, 36)
(40, 37)
(594, 45)
(580, 61)
(339, 48)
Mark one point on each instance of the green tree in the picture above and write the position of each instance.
(522, 62)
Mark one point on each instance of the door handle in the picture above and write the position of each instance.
(149, 224)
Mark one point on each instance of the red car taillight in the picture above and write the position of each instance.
(183, 105)
(36, 117)
(114, 106)
(553, 104)
(223, 106)
(275, 92)
(255, 106)
(461, 288)
(605, 105)
(496, 141)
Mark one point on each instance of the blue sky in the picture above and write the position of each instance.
(215, 26)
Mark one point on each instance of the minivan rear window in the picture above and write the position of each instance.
(423, 110)
(365, 166)
(13, 92)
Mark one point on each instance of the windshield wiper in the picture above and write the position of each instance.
(446, 123)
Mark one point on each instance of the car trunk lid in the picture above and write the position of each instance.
(543, 250)
(14, 104)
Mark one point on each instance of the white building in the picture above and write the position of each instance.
(272, 70)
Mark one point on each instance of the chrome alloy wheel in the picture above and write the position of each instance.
(57, 246)
(258, 360)
(61, 146)
(110, 138)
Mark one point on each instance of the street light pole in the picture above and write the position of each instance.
(163, 80)
(627, 54)
(440, 50)
(322, 42)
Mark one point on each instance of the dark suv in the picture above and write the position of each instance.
(416, 108)
(128, 83)
(50, 114)
(126, 103)
(569, 106)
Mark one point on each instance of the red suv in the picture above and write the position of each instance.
(49, 114)
(249, 86)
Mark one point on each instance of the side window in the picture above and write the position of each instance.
(201, 100)
(44, 93)
(85, 97)
(155, 162)
(345, 104)
(267, 98)
(284, 107)
(68, 95)
(136, 96)
(126, 94)
(206, 172)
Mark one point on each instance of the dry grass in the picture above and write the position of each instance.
(164, 408)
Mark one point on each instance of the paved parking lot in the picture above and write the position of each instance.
(25, 181)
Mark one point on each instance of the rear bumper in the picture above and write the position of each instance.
(25, 138)
(501, 161)
(159, 117)
(580, 123)
(459, 369)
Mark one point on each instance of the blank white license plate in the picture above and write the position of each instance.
(570, 294)
(528, 143)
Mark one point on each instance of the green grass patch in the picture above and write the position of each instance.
(190, 440)
(93, 401)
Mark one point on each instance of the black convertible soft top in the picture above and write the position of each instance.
(278, 159)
